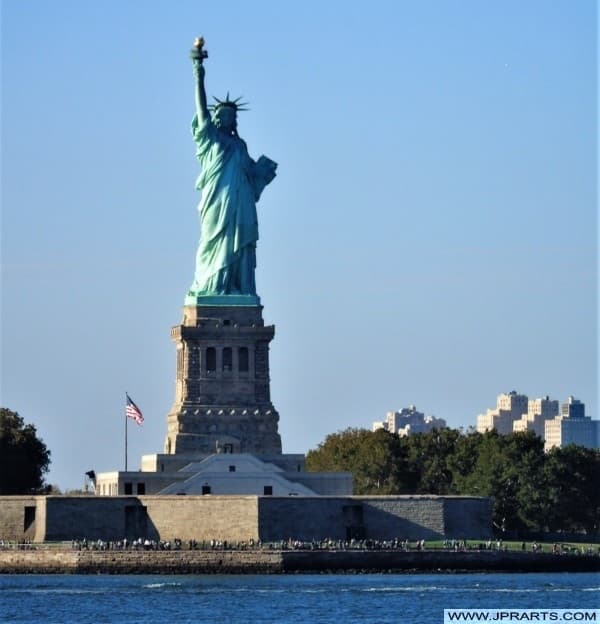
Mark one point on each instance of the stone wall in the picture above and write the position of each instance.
(14, 525)
(300, 518)
(465, 516)
(241, 518)
(232, 518)
(91, 517)
(378, 518)
(406, 517)
(60, 561)
(48, 561)
(155, 517)
(111, 518)
(218, 401)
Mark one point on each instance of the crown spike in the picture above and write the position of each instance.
(236, 104)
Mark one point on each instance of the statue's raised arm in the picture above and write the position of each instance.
(198, 54)
(231, 183)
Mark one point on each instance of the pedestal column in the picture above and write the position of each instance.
(217, 406)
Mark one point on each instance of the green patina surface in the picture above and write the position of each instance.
(230, 183)
(193, 299)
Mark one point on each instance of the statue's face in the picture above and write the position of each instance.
(226, 118)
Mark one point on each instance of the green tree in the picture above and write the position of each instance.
(429, 460)
(463, 461)
(509, 468)
(373, 458)
(530, 490)
(573, 492)
(24, 458)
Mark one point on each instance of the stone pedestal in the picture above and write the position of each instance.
(222, 395)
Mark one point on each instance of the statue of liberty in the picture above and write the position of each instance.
(230, 183)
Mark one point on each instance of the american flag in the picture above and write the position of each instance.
(133, 411)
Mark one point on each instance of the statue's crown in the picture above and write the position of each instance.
(235, 104)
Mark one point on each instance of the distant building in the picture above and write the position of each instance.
(510, 407)
(538, 412)
(573, 408)
(572, 426)
(408, 421)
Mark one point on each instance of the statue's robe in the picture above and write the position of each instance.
(230, 183)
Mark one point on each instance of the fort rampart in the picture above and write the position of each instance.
(242, 518)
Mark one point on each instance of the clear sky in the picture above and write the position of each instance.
(430, 239)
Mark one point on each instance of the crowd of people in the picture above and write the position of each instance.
(251, 544)
(125, 544)
(20, 545)
(454, 545)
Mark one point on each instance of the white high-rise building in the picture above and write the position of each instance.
(510, 406)
(408, 421)
(572, 427)
(538, 412)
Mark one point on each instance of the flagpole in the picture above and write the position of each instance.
(131, 411)
(125, 435)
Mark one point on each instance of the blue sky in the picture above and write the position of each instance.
(430, 239)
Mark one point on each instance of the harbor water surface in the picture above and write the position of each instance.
(367, 598)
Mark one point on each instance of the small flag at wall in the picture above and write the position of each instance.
(133, 411)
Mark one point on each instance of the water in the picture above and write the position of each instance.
(279, 599)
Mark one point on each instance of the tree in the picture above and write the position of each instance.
(373, 458)
(573, 494)
(24, 458)
(429, 460)
(530, 490)
(463, 461)
(509, 468)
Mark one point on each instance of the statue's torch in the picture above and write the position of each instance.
(198, 53)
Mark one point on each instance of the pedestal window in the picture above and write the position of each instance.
(244, 360)
(211, 360)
